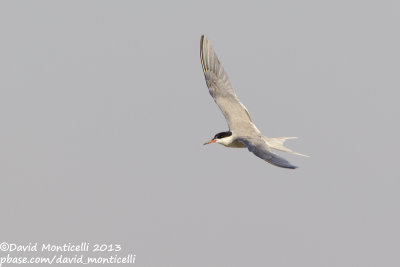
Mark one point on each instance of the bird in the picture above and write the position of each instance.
(242, 131)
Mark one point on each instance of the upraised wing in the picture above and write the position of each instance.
(221, 89)
(258, 147)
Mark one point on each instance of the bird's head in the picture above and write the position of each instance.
(221, 138)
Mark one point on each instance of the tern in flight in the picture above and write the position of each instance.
(242, 131)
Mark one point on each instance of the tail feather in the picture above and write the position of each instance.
(277, 143)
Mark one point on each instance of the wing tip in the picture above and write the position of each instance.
(291, 167)
(202, 39)
(201, 52)
(285, 165)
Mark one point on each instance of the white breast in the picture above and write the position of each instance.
(230, 141)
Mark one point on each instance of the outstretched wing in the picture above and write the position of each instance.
(221, 89)
(259, 148)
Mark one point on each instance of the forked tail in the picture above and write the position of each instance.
(277, 143)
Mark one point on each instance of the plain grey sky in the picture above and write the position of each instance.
(104, 110)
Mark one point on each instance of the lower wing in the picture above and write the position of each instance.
(259, 148)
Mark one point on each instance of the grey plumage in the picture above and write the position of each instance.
(259, 148)
(238, 118)
(221, 89)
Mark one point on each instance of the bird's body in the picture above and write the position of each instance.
(242, 131)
